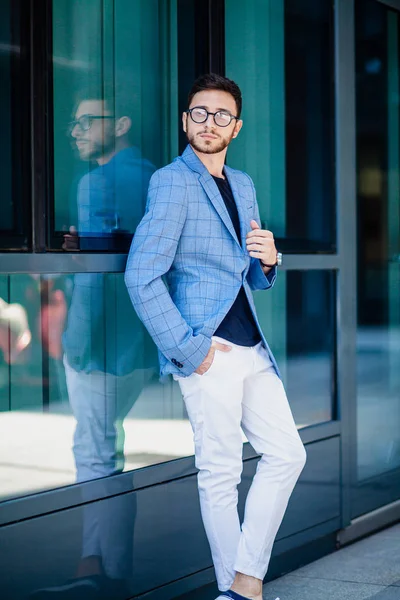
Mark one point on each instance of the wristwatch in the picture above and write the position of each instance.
(278, 261)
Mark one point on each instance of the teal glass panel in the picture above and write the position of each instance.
(115, 116)
(281, 56)
(255, 60)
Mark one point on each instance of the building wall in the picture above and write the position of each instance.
(96, 450)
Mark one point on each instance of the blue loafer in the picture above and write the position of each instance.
(233, 596)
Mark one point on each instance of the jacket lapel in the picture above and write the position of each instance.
(212, 191)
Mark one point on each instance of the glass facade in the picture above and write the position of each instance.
(76, 361)
(80, 394)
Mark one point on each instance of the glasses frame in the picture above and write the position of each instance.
(189, 111)
(76, 122)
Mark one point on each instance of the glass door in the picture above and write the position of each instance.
(377, 37)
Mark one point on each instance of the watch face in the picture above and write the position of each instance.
(279, 258)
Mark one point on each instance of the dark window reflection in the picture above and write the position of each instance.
(309, 100)
(14, 128)
(310, 349)
(378, 238)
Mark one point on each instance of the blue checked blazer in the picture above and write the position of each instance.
(186, 265)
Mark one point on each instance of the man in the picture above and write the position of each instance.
(201, 230)
(105, 368)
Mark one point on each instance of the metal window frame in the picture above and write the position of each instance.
(391, 4)
(41, 119)
(66, 497)
(346, 231)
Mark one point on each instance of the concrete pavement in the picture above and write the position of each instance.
(369, 568)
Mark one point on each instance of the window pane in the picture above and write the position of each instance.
(115, 115)
(298, 319)
(378, 242)
(14, 129)
(79, 377)
(281, 55)
(79, 383)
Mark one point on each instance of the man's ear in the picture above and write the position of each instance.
(238, 127)
(184, 121)
(122, 126)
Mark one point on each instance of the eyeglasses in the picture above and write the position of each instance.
(86, 121)
(222, 118)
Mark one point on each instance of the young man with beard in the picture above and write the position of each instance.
(201, 230)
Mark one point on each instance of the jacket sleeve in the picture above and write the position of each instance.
(255, 275)
(151, 255)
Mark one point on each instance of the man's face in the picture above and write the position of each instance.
(99, 139)
(208, 137)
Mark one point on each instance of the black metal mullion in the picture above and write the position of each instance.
(210, 36)
(346, 228)
(216, 16)
(41, 119)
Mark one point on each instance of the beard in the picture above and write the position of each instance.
(93, 149)
(208, 146)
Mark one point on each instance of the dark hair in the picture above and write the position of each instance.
(212, 81)
(120, 98)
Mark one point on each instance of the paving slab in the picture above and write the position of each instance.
(291, 587)
(367, 569)
(389, 593)
(375, 560)
(393, 532)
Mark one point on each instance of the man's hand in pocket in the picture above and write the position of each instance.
(208, 361)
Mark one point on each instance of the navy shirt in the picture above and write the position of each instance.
(238, 325)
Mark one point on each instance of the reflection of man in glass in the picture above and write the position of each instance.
(111, 196)
(103, 342)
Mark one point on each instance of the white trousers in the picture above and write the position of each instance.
(241, 390)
